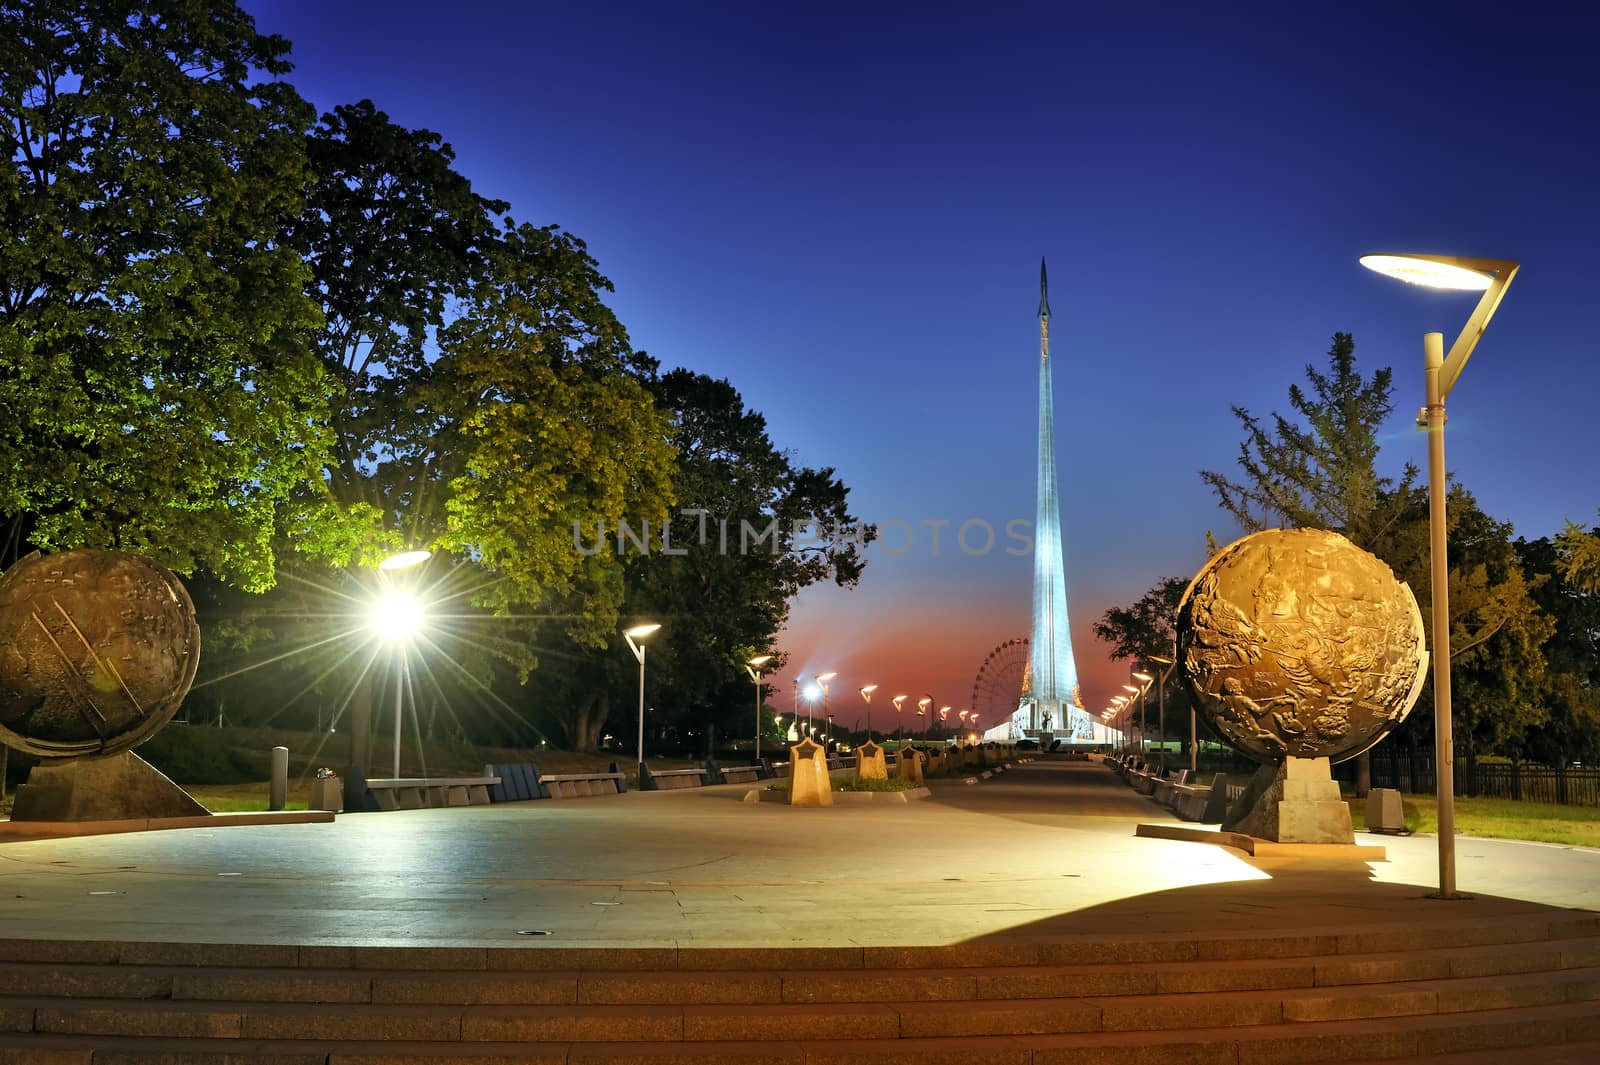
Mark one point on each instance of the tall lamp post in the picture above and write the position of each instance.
(899, 713)
(1440, 372)
(866, 696)
(924, 707)
(753, 667)
(635, 637)
(822, 682)
(396, 617)
(1134, 697)
(1161, 710)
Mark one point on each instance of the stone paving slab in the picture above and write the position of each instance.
(1045, 853)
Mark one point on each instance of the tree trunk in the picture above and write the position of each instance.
(587, 721)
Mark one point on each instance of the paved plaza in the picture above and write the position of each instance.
(1046, 850)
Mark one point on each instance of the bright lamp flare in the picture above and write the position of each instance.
(1427, 272)
(396, 617)
(405, 560)
(812, 692)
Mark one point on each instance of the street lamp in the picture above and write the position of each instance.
(1161, 705)
(866, 696)
(822, 682)
(753, 667)
(812, 693)
(395, 618)
(1144, 680)
(944, 715)
(924, 705)
(1440, 372)
(1131, 698)
(634, 636)
(899, 706)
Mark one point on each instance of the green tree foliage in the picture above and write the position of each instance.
(1146, 631)
(1320, 471)
(1148, 628)
(487, 400)
(1580, 557)
(542, 425)
(1572, 681)
(159, 394)
(717, 601)
(394, 236)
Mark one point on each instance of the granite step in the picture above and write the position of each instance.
(578, 1023)
(212, 983)
(1388, 1040)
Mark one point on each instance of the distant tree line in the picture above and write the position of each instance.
(270, 348)
(1524, 614)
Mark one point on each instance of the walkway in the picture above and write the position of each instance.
(1045, 850)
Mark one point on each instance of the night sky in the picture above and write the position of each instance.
(844, 215)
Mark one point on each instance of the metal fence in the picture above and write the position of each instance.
(1567, 785)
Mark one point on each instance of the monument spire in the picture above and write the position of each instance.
(1050, 703)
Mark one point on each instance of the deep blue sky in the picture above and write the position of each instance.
(844, 215)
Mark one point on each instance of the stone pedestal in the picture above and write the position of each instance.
(809, 784)
(1296, 802)
(122, 787)
(1385, 813)
(869, 762)
(327, 793)
(910, 767)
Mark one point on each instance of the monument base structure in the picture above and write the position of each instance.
(1294, 802)
(1078, 727)
(119, 788)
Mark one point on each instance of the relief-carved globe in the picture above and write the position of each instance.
(1296, 642)
(97, 649)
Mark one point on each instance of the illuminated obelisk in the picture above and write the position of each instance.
(1050, 701)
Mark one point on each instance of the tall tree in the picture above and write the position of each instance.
(1320, 471)
(1148, 628)
(1571, 729)
(719, 595)
(1146, 631)
(486, 399)
(160, 395)
(395, 236)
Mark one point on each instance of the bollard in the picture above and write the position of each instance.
(278, 788)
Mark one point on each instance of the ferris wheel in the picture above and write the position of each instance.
(999, 685)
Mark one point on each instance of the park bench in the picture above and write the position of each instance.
(741, 774)
(522, 781)
(1162, 792)
(1193, 802)
(421, 793)
(582, 785)
(1142, 778)
(671, 779)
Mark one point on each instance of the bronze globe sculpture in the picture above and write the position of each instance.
(97, 650)
(1297, 643)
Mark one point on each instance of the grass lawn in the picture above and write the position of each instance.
(1501, 819)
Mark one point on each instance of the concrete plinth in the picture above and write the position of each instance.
(910, 765)
(869, 762)
(1296, 802)
(121, 787)
(1385, 812)
(809, 783)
